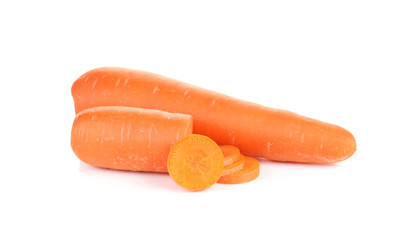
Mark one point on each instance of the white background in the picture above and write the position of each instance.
(344, 62)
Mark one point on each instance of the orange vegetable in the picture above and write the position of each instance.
(231, 154)
(126, 138)
(234, 167)
(249, 172)
(232, 159)
(195, 162)
(256, 130)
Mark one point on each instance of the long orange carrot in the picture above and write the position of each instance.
(127, 138)
(195, 162)
(256, 130)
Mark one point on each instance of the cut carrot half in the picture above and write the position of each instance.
(127, 138)
(234, 167)
(249, 172)
(195, 162)
(231, 154)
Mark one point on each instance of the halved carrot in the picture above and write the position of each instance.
(126, 138)
(249, 172)
(234, 167)
(256, 130)
(195, 162)
(230, 153)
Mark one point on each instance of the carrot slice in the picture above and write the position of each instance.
(249, 172)
(233, 160)
(231, 154)
(195, 162)
(234, 167)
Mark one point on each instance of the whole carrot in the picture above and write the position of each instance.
(256, 130)
(126, 138)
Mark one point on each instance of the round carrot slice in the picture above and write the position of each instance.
(195, 162)
(234, 167)
(230, 153)
(249, 172)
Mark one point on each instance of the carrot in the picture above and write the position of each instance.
(126, 138)
(234, 167)
(232, 159)
(231, 154)
(256, 130)
(195, 162)
(249, 172)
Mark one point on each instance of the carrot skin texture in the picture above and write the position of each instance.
(126, 138)
(256, 130)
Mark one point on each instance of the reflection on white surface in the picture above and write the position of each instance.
(161, 181)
